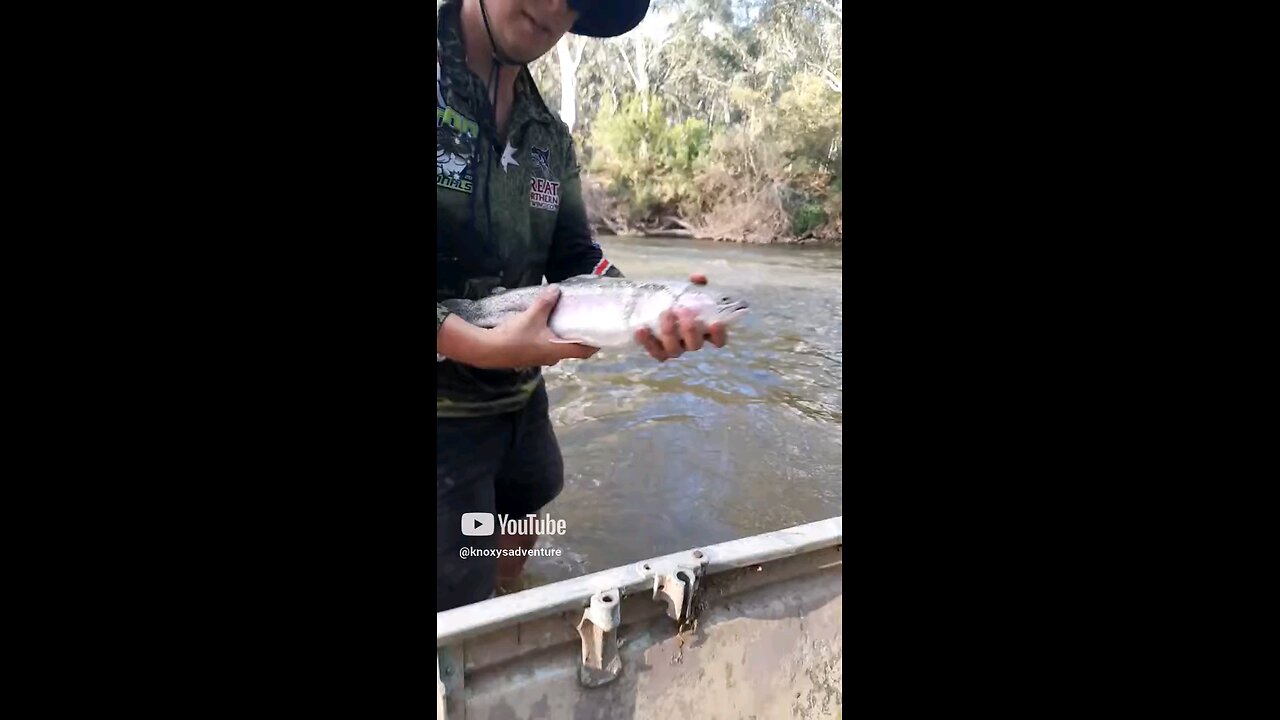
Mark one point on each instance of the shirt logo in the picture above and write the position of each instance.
(453, 166)
(541, 159)
(461, 124)
(509, 157)
(544, 194)
(453, 171)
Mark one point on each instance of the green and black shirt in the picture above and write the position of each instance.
(509, 212)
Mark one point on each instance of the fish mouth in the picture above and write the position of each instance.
(732, 310)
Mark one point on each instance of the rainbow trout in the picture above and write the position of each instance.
(602, 311)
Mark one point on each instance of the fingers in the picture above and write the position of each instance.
(546, 302)
(579, 352)
(718, 334)
(690, 330)
(680, 332)
(667, 334)
(651, 345)
(568, 351)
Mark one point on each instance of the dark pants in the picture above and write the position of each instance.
(502, 464)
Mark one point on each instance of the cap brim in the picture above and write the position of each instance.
(610, 19)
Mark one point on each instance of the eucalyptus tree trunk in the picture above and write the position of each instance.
(569, 58)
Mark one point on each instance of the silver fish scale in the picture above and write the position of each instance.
(492, 310)
(597, 311)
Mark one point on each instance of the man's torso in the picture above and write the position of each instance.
(497, 208)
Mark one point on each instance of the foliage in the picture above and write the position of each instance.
(725, 114)
(645, 160)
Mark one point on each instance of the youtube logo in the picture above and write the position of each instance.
(475, 524)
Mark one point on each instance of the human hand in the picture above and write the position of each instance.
(680, 331)
(526, 341)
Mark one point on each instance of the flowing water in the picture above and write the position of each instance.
(717, 444)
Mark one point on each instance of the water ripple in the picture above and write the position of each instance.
(714, 445)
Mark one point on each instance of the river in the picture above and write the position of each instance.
(715, 445)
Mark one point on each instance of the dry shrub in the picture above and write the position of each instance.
(603, 211)
(759, 217)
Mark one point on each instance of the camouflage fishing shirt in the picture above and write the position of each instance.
(509, 212)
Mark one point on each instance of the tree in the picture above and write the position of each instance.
(647, 41)
(723, 113)
(569, 60)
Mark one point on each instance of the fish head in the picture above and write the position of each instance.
(712, 307)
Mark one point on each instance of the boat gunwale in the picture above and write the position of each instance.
(459, 624)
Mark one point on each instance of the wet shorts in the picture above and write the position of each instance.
(501, 464)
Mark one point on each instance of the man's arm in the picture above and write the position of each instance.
(441, 314)
(573, 250)
(461, 341)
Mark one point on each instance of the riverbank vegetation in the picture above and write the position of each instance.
(714, 118)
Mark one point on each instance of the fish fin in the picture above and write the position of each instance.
(456, 304)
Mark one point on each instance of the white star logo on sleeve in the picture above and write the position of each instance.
(509, 157)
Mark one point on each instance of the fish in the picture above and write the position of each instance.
(601, 311)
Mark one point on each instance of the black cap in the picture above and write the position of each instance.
(607, 18)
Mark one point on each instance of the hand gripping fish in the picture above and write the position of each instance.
(602, 311)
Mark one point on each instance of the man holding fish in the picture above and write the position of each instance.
(509, 213)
